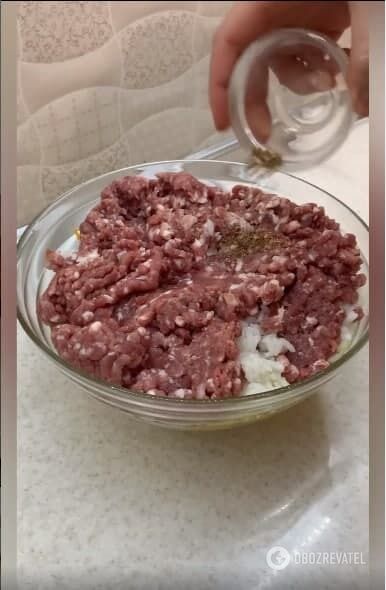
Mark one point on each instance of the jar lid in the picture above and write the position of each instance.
(289, 98)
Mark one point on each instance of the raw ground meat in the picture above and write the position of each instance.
(151, 303)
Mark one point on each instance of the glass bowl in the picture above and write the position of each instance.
(55, 227)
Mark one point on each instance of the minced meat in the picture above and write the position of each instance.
(155, 297)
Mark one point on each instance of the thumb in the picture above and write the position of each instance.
(358, 76)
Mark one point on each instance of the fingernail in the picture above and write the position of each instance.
(221, 126)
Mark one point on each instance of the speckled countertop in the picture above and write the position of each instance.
(108, 503)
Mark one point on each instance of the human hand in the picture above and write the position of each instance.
(247, 21)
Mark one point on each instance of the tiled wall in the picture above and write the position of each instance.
(102, 85)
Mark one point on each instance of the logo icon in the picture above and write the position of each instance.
(278, 558)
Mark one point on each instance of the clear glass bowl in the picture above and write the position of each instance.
(55, 227)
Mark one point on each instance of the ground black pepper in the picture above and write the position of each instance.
(239, 242)
(265, 158)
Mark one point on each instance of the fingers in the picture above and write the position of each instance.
(246, 22)
(358, 78)
(242, 25)
(256, 109)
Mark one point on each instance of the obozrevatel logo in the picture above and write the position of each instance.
(278, 558)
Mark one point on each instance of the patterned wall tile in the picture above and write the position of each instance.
(125, 13)
(22, 111)
(44, 83)
(210, 140)
(157, 49)
(57, 31)
(137, 105)
(203, 37)
(201, 84)
(30, 197)
(28, 144)
(58, 179)
(164, 136)
(203, 127)
(78, 125)
(106, 84)
(218, 9)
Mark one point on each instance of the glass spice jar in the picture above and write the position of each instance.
(290, 105)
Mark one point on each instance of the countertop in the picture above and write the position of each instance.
(109, 503)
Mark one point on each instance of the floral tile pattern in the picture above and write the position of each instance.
(103, 85)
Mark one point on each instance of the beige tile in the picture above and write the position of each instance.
(201, 84)
(22, 111)
(58, 179)
(56, 31)
(78, 125)
(136, 105)
(18, 40)
(43, 83)
(214, 8)
(29, 195)
(28, 145)
(203, 127)
(157, 49)
(345, 40)
(203, 35)
(210, 140)
(164, 136)
(125, 13)
(203, 38)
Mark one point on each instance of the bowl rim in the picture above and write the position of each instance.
(136, 396)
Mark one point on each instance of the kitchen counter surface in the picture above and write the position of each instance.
(108, 503)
